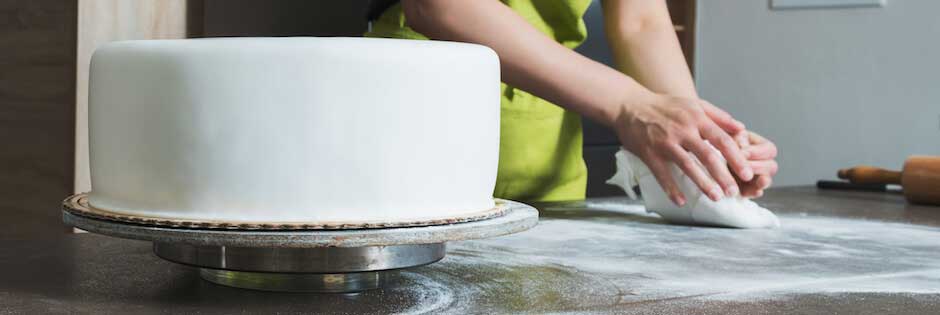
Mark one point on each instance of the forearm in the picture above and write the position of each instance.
(529, 60)
(658, 128)
(644, 45)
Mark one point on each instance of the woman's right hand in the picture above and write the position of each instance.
(663, 129)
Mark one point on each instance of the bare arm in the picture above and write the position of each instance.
(529, 60)
(656, 127)
(644, 45)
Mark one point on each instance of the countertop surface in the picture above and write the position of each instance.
(837, 252)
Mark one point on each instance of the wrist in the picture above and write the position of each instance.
(630, 104)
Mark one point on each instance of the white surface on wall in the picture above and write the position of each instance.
(811, 4)
(832, 87)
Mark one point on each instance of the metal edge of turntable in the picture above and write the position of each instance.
(516, 218)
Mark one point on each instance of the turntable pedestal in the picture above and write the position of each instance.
(327, 269)
(296, 260)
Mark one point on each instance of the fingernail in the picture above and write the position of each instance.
(748, 174)
(760, 193)
(739, 123)
(733, 191)
(715, 194)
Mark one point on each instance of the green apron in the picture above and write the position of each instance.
(540, 143)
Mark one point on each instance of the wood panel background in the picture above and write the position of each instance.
(683, 13)
(37, 110)
(46, 48)
(285, 18)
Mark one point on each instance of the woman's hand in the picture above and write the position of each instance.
(662, 129)
(760, 154)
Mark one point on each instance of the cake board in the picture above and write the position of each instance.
(302, 260)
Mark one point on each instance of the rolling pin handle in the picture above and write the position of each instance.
(870, 175)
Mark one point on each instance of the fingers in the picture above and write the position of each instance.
(756, 187)
(660, 169)
(763, 151)
(760, 148)
(764, 182)
(750, 189)
(744, 143)
(695, 172)
(723, 142)
(764, 167)
(722, 118)
(756, 138)
(716, 166)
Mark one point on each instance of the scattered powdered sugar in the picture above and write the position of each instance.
(614, 254)
(429, 297)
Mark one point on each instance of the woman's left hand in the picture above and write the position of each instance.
(760, 154)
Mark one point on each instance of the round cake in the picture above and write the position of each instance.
(294, 130)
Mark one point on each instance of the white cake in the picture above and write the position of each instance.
(294, 130)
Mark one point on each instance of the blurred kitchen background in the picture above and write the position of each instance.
(833, 83)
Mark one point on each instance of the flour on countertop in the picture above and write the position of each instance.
(620, 254)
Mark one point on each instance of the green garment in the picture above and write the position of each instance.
(540, 143)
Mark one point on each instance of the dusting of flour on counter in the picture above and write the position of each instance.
(616, 254)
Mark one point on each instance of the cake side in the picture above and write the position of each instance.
(294, 129)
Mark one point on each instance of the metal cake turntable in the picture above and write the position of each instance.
(310, 259)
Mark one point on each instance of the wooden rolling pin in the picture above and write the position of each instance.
(920, 178)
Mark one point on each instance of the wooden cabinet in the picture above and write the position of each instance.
(47, 45)
(683, 13)
(37, 110)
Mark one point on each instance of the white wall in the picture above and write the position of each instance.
(831, 87)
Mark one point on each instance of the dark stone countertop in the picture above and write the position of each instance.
(838, 252)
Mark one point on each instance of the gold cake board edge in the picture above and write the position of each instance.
(78, 205)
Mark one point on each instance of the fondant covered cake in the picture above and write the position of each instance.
(294, 129)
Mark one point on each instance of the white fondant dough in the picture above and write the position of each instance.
(294, 129)
(735, 212)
